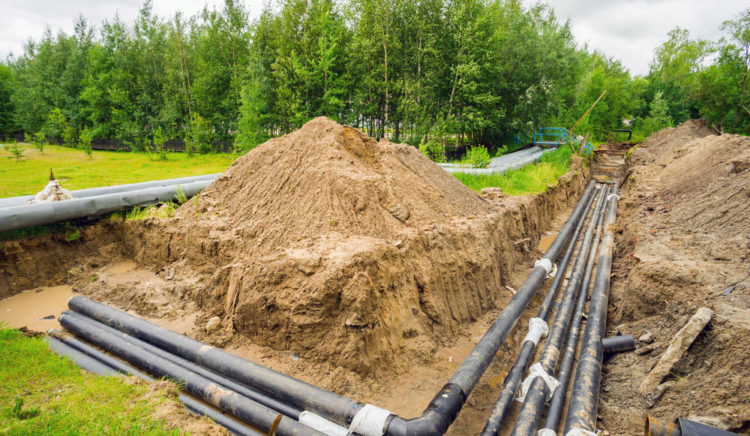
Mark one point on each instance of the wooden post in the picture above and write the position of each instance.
(584, 116)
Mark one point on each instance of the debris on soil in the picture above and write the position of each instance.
(52, 192)
(680, 343)
(683, 184)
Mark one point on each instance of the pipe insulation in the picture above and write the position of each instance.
(20, 217)
(571, 344)
(515, 375)
(289, 390)
(239, 406)
(94, 361)
(232, 385)
(584, 399)
(93, 192)
(539, 386)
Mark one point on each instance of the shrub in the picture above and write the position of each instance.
(39, 140)
(199, 137)
(158, 144)
(433, 149)
(69, 136)
(84, 141)
(478, 157)
(16, 150)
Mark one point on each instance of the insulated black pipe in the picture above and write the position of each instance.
(243, 408)
(94, 361)
(441, 411)
(444, 408)
(88, 363)
(585, 396)
(515, 375)
(288, 390)
(241, 389)
(533, 405)
(618, 344)
(563, 376)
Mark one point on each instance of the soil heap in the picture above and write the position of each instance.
(343, 249)
(684, 244)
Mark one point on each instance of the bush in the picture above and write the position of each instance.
(84, 141)
(158, 144)
(39, 140)
(16, 150)
(69, 136)
(478, 157)
(200, 137)
(433, 149)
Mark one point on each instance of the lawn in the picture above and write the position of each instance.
(43, 393)
(531, 179)
(75, 170)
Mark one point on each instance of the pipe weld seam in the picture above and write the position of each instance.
(544, 263)
(537, 329)
(535, 371)
(580, 432)
(370, 421)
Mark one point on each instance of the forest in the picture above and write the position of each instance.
(472, 72)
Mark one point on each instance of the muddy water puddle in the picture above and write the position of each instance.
(36, 309)
(546, 241)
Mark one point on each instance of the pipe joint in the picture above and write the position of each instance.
(537, 329)
(537, 371)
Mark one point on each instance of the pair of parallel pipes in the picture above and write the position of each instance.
(361, 418)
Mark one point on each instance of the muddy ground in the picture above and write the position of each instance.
(682, 243)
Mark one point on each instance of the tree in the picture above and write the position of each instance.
(158, 140)
(7, 108)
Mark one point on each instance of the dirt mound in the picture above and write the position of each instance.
(685, 243)
(340, 249)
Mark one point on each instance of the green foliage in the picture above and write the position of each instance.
(180, 196)
(658, 117)
(477, 157)
(7, 107)
(433, 149)
(39, 140)
(158, 141)
(84, 141)
(200, 136)
(16, 150)
(70, 136)
(56, 124)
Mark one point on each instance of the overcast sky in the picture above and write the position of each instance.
(629, 30)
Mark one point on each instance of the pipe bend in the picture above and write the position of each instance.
(435, 420)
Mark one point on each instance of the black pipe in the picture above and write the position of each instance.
(558, 398)
(618, 344)
(243, 408)
(232, 385)
(585, 396)
(288, 390)
(682, 427)
(515, 375)
(444, 408)
(538, 392)
(436, 418)
(82, 360)
(96, 362)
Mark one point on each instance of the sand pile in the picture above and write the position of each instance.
(341, 249)
(685, 244)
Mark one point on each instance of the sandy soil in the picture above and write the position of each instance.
(683, 243)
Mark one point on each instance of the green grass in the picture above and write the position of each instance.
(45, 394)
(531, 179)
(75, 170)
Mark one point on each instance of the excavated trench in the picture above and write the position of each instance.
(352, 293)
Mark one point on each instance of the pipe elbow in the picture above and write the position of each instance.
(435, 420)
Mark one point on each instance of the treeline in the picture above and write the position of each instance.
(475, 71)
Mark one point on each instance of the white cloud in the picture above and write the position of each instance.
(24, 19)
(630, 30)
